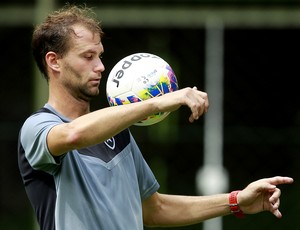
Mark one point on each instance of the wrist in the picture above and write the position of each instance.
(234, 206)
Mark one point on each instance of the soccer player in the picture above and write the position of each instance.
(83, 169)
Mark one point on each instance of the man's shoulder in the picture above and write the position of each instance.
(43, 110)
(40, 120)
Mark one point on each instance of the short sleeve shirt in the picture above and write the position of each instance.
(98, 187)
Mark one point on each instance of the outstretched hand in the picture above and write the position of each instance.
(262, 195)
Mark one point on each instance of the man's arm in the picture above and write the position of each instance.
(102, 124)
(172, 210)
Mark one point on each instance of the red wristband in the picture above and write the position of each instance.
(234, 206)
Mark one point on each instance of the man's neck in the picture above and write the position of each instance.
(69, 106)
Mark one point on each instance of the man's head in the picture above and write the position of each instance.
(56, 32)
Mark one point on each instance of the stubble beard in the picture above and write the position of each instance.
(81, 91)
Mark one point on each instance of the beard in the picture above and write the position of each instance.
(87, 94)
(77, 86)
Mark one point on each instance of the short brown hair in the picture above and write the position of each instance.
(55, 32)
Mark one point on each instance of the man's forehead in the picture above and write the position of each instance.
(82, 31)
(85, 37)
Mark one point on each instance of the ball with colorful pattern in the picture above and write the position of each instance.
(139, 77)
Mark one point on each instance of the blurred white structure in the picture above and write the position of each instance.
(212, 178)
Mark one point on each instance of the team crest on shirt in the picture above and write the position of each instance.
(110, 143)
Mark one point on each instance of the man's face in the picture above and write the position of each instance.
(82, 67)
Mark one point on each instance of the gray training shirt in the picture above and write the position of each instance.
(99, 187)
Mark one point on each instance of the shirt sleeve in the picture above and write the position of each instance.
(34, 141)
(147, 181)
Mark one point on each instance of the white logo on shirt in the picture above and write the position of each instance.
(110, 143)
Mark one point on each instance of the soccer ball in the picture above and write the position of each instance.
(138, 77)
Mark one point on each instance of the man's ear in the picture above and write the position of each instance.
(52, 61)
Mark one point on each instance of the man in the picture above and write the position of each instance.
(82, 169)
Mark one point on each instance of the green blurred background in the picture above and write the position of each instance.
(261, 105)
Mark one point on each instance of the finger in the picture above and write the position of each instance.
(277, 213)
(206, 102)
(275, 195)
(204, 97)
(280, 180)
(273, 207)
(274, 204)
(197, 105)
(191, 118)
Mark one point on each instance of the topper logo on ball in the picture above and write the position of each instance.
(127, 63)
